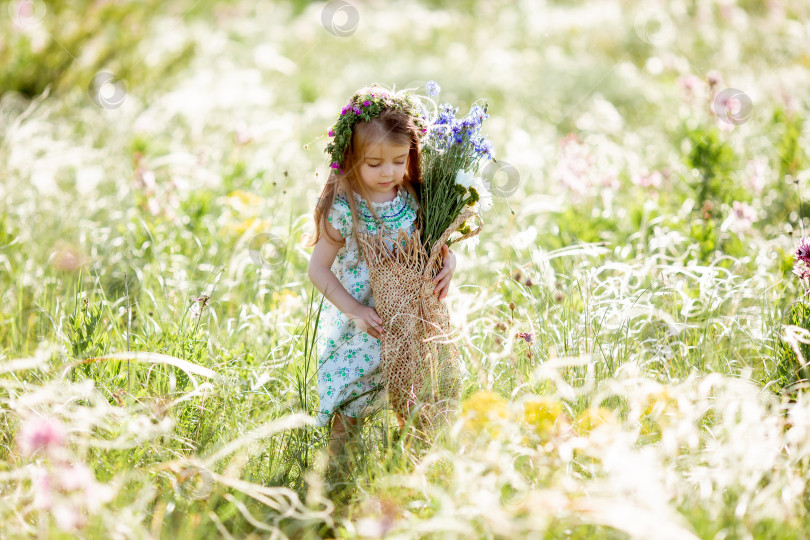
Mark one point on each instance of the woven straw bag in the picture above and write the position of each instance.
(420, 360)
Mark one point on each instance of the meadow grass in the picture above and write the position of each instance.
(158, 337)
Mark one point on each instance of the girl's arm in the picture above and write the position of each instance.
(320, 273)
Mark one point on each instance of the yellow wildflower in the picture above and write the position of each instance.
(238, 228)
(484, 411)
(659, 404)
(543, 416)
(243, 200)
(595, 417)
(658, 411)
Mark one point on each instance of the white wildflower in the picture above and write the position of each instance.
(469, 244)
(484, 194)
(464, 179)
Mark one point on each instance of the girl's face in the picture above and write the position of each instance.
(383, 166)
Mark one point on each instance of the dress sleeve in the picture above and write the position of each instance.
(340, 216)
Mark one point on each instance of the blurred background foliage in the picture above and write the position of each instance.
(60, 45)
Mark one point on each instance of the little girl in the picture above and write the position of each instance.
(374, 184)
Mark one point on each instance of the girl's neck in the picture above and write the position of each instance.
(385, 197)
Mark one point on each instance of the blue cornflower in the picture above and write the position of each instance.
(478, 113)
(482, 147)
(470, 123)
(432, 88)
(447, 114)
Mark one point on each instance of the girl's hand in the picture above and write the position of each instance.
(367, 320)
(443, 278)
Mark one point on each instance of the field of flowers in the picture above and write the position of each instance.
(632, 316)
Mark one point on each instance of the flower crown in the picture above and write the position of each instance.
(365, 107)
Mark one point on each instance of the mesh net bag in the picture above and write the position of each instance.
(420, 360)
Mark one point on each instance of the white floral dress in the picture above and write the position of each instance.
(349, 379)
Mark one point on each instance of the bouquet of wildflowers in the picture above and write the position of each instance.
(451, 156)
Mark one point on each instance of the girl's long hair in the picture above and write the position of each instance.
(392, 126)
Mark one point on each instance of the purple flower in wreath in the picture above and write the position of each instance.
(366, 103)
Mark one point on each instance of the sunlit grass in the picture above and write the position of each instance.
(626, 376)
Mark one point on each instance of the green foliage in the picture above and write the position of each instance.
(790, 368)
(707, 524)
(78, 40)
(791, 156)
(714, 160)
(714, 190)
(785, 262)
(199, 204)
(711, 243)
(705, 233)
(570, 530)
(85, 332)
(791, 159)
(7, 233)
(574, 225)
